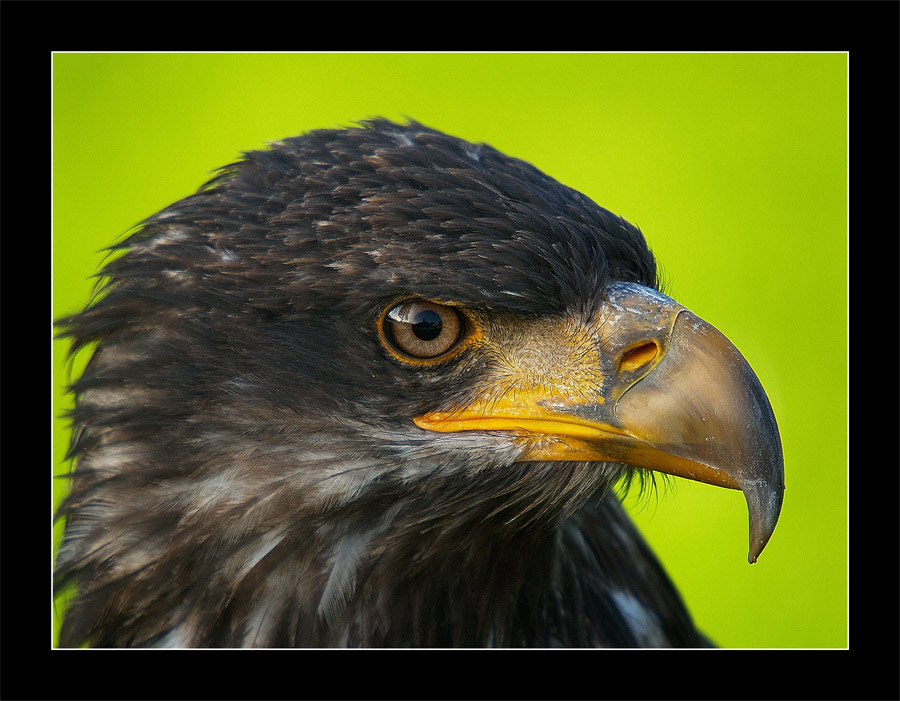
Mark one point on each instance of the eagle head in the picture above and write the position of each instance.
(372, 386)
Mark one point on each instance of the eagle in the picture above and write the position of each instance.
(376, 386)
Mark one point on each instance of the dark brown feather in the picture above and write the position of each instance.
(246, 472)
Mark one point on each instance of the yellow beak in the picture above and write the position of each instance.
(673, 395)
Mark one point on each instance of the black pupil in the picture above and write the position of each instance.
(427, 324)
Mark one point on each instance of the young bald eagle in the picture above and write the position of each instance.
(372, 387)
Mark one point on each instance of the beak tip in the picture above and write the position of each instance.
(764, 515)
(756, 548)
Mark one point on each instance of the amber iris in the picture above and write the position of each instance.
(423, 329)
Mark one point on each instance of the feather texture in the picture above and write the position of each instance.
(246, 471)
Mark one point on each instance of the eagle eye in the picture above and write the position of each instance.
(423, 330)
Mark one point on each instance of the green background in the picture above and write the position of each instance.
(733, 165)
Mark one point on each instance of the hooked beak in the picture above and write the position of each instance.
(674, 395)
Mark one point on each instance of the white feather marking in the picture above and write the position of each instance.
(173, 234)
(175, 638)
(402, 139)
(259, 623)
(642, 622)
(342, 578)
(267, 544)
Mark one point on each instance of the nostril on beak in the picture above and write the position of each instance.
(638, 357)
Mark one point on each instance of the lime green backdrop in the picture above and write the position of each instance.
(733, 165)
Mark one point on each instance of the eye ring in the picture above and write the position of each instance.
(419, 330)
